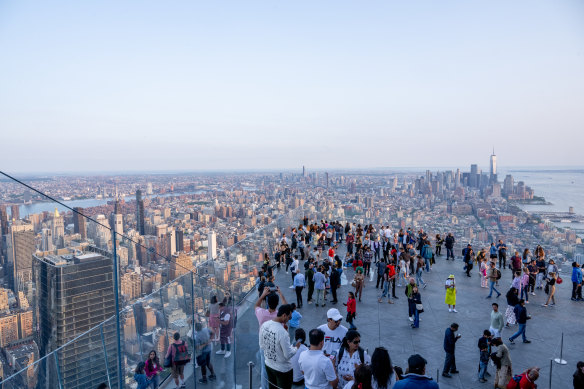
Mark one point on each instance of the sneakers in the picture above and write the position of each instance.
(488, 297)
(411, 318)
(533, 293)
(203, 380)
(227, 354)
(511, 341)
(449, 309)
(425, 286)
(390, 301)
(446, 375)
(212, 377)
(527, 341)
(482, 380)
(454, 310)
(220, 352)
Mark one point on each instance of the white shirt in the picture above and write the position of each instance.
(296, 366)
(333, 338)
(318, 369)
(346, 366)
(275, 343)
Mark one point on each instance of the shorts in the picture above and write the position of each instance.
(177, 370)
(494, 332)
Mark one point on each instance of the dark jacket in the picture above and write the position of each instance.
(415, 381)
(449, 341)
(335, 278)
(578, 380)
(449, 242)
(512, 299)
(520, 314)
(485, 349)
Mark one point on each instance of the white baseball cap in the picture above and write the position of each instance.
(334, 314)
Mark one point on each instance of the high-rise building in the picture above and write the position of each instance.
(79, 223)
(179, 264)
(140, 223)
(3, 220)
(493, 165)
(75, 293)
(211, 245)
(20, 250)
(508, 185)
(58, 229)
(15, 212)
(327, 179)
(303, 171)
(180, 238)
(149, 189)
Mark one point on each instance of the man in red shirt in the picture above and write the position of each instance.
(391, 278)
(528, 378)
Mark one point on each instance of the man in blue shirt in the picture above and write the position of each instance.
(416, 377)
(319, 284)
(449, 346)
(576, 282)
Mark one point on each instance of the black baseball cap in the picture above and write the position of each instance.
(416, 362)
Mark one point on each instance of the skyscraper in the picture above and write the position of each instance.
(75, 293)
(140, 213)
(493, 165)
(21, 247)
(303, 171)
(79, 223)
(3, 220)
(15, 210)
(58, 229)
(212, 245)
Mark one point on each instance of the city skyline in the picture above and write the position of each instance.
(204, 86)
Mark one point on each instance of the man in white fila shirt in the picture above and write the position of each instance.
(334, 332)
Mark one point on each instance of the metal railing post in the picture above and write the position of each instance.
(250, 364)
(109, 383)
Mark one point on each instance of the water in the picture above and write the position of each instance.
(30, 209)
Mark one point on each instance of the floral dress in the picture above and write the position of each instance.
(484, 279)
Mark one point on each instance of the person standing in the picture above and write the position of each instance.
(367, 259)
(385, 284)
(381, 266)
(497, 321)
(319, 285)
(299, 283)
(522, 317)
(226, 319)
(439, 243)
(516, 263)
(359, 282)
(449, 244)
(203, 352)
(450, 338)
(414, 302)
(278, 352)
(493, 252)
(512, 300)
(334, 332)
(485, 354)
(493, 274)
(317, 368)
(351, 310)
(419, 271)
(335, 279)
(152, 369)
(576, 282)
(551, 289)
(263, 315)
(502, 249)
(309, 276)
(180, 356)
(409, 290)
(502, 360)
(450, 299)
(350, 355)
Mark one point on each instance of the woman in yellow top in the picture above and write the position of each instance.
(450, 298)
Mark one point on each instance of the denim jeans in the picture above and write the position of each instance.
(482, 369)
(449, 253)
(427, 260)
(263, 367)
(520, 331)
(525, 291)
(419, 279)
(492, 288)
(416, 318)
(155, 382)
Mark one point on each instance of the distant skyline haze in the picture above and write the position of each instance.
(191, 86)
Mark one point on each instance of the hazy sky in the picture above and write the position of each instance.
(181, 85)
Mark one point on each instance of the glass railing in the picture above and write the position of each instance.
(85, 359)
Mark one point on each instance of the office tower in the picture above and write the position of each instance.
(180, 237)
(3, 220)
(58, 229)
(493, 164)
(140, 226)
(15, 210)
(117, 220)
(79, 223)
(303, 171)
(508, 185)
(474, 180)
(211, 245)
(179, 265)
(47, 240)
(75, 294)
(149, 188)
(327, 179)
(21, 247)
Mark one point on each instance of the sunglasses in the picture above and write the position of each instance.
(356, 341)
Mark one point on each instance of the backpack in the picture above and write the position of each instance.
(361, 355)
(181, 354)
(514, 382)
(498, 274)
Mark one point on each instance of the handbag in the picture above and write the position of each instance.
(559, 280)
(168, 361)
(420, 307)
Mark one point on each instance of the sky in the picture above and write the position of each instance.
(218, 85)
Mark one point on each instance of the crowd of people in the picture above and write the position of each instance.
(332, 357)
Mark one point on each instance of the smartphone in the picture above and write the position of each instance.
(273, 288)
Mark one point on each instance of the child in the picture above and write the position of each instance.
(140, 376)
(294, 321)
(403, 272)
(351, 305)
